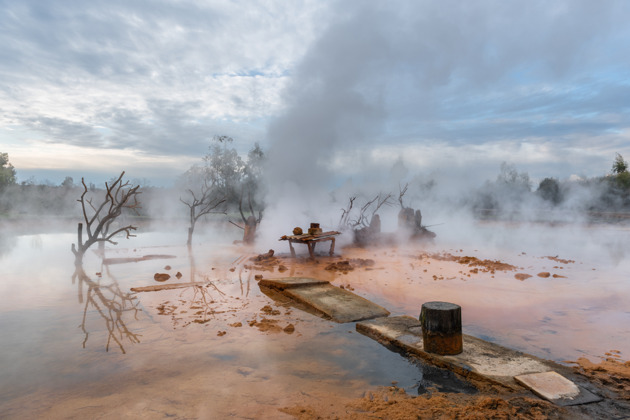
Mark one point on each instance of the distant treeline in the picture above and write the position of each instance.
(511, 196)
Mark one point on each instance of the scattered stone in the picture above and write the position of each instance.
(269, 310)
(560, 260)
(236, 325)
(521, 276)
(262, 257)
(282, 268)
(343, 266)
(558, 276)
(167, 267)
(220, 333)
(544, 274)
(266, 325)
(178, 275)
(289, 329)
(161, 276)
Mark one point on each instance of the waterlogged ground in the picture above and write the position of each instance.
(81, 344)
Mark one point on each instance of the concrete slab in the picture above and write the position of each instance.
(480, 359)
(556, 388)
(290, 282)
(326, 300)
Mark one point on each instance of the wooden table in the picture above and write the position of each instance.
(311, 241)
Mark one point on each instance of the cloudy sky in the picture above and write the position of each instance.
(90, 88)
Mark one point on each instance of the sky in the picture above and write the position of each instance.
(347, 88)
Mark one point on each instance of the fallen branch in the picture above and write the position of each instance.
(159, 287)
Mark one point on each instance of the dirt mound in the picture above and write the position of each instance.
(343, 266)
(394, 403)
(348, 265)
(482, 265)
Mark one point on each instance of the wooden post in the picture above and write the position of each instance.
(291, 246)
(441, 328)
(311, 249)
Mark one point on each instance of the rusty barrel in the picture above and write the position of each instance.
(441, 328)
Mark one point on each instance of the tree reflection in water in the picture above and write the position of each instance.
(112, 304)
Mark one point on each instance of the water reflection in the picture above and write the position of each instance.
(114, 307)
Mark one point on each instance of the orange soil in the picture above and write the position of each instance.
(394, 403)
(611, 372)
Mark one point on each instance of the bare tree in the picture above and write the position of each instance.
(251, 187)
(98, 217)
(203, 202)
(366, 225)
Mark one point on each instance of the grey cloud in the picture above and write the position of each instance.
(61, 130)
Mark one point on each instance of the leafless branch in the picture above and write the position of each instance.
(401, 194)
(364, 214)
(206, 201)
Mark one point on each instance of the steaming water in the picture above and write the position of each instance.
(53, 362)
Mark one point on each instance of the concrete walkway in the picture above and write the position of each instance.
(332, 302)
(480, 360)
(486, 361)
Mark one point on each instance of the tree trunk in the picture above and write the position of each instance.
(441, 328)
(249, 236)
(190, 235)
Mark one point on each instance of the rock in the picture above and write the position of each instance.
(161, 276)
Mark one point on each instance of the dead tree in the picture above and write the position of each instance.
(205, 201)
(410, 221)
(251, 222)
(367, 223)
(98, 217)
